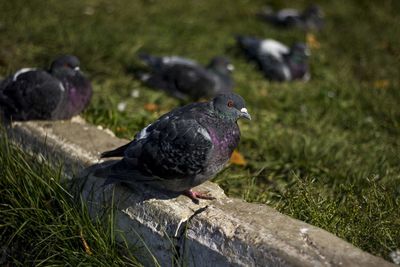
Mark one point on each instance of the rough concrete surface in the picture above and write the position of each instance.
(221, 232)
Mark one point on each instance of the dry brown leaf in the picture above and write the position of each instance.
(381, 84)
(85, 244)
(238, 158)
(312, 41)
(120, 129)
(151, 107)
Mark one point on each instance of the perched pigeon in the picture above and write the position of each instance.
(34, 94)
(183, 148)
(186, 79)
(277, 61)
(312, 18)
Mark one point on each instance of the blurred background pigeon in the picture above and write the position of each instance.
(34, 94)
(185, 79)
(311, 18)
(277, 61)
(182, 149)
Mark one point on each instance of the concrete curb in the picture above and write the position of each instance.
(222, 232)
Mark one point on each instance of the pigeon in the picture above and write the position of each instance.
(34, 94)
(311, 18)
(185, 79)
(182, 149)
(277, 61)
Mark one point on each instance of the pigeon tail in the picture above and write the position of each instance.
(111, 179)
(121, 172)
(118, 152)
(106, 170)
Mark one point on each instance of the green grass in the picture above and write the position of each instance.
(42, 224)
(326, 152)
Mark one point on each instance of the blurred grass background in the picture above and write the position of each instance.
(326, 152)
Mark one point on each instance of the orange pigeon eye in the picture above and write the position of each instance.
(230, 103)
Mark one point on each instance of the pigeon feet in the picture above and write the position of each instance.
(195, 196)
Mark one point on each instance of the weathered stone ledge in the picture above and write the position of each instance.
(221, 232)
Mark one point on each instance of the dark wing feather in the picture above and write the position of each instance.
(271, 67)
(118, 152)
(158, 64)
(194, 81)
(180, 77)
(249, 45)
(172, 147)
(171, 150)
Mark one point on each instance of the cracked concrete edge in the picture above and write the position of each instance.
(176, 231)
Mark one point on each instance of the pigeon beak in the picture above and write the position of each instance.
(77, 69)
(245, 114)
(230, 67)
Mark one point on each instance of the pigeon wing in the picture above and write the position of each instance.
(161, 63)
(33, 95)
(174, 149)
(249, 45)
(193, 81)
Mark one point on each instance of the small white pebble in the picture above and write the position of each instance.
(135, 93)
(99, 127)
(109, 132)
(78, 119)
(121, 106)
(303, 231)
(395, 255)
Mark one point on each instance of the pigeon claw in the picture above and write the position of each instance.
(195, 196)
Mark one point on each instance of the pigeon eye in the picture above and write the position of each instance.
(230, 103)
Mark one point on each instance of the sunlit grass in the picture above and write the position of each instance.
(41, 223)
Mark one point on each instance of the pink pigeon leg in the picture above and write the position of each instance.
(195, 196)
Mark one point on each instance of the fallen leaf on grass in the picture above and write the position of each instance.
(381, 84)
(85, 244)
(121, 129)
(312, 41)
(238, 159)
(151, 107)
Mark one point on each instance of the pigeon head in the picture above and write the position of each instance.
(231, 106)
(65, 64)
(299, 52)
(221, 65)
